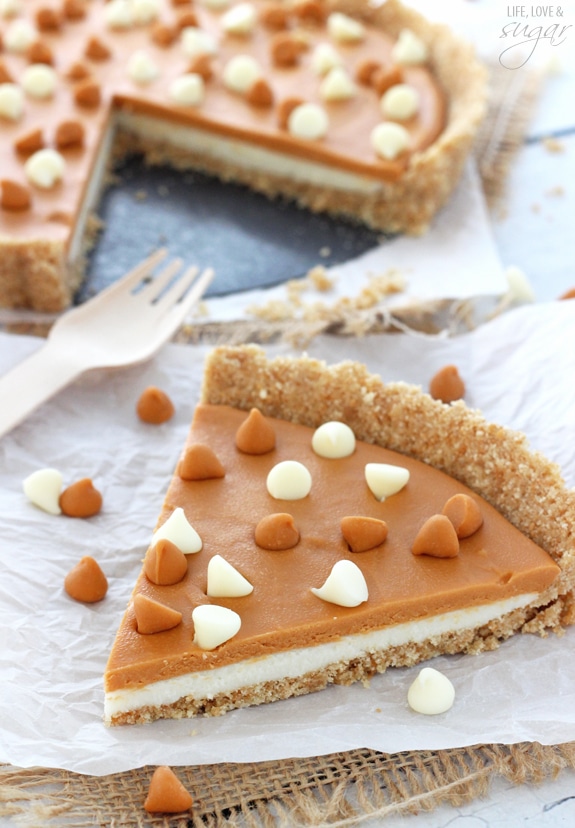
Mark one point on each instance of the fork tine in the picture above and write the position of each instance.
(190, 291)
(133, 277)
(153, 290)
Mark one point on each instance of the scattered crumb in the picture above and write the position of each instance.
(140, 195)
(325, 252)
(553, 145)
(535, 208)
(555, 191)
(163, 191)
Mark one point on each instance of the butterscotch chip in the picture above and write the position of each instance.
(40, 52)
(384, 79)
(437, 537)
(14, 196)
(47, 19)
(365, 71)
(464, 513)
(5, 76)
(154, 406)
(569, 294)
(285, 109)
(446, 385)
(202, 65)
(363, 533)
(97, 50)
(86, 582)
(30, 142)
(277, 532)
(200, 463)
(255, 435)
(310, 11)
(81, 499)
(188, 19)
(69, 134)
(274, 16)
(165, 563)
(166, 793)
(87, 94)
(154, 617)
(78, 71)
(74, 9)
(164, 35)
(285, 49)
(260, 94)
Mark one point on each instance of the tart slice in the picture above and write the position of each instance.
(321, 527)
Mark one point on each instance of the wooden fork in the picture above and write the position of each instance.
(125, 324)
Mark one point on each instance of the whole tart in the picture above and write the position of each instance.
(361, 112)
(349, 581)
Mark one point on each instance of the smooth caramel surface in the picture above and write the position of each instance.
(494, 563)
(346, 145)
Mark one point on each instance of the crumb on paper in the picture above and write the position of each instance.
(140, 195)
(553, 145)
(347, 309)
(558, 190)
(325, 252)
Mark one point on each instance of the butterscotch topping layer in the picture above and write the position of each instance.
(291, 605)
(357, 92)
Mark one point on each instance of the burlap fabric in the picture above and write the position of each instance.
(339, 789)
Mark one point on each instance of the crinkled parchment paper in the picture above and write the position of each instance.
(53, 651)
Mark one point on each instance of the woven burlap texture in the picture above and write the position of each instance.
(340, 789)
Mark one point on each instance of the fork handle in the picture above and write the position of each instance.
(34, 380)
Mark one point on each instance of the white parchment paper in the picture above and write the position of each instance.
(53, 651)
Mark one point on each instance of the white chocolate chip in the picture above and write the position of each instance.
(384, 479)
(344, 586)
(400, 102)
(187, 90)
(180, 532)
(289, 480)
(45, 168)
(240, 19)
(324, 58)
(337, 85)
(10, 8)
(144, 11)
(333, 440)
(308, 121)
(197, 42)
(409, 49)
(344, 28)
(213, 625)
(11, 101)
(431, 692)
(19, 36)
(241, 72)
(39, 80)
(224, 580)
(389, 140)
(43, 488)
(519, 287)
(141, 68)
(118, 14)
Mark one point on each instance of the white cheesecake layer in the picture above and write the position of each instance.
(295, 663)
(247, 156)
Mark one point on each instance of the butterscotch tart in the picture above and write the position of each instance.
(359, 111)
(322, 527)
